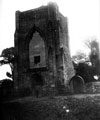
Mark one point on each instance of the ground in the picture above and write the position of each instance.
(74, 107)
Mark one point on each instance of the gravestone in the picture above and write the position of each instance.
(77, 84)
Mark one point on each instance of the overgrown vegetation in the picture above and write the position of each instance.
(6, 86)
(8, 56)
(88, 66)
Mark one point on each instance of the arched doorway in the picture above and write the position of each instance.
(37, 83)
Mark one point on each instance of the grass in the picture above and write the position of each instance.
(55, 108)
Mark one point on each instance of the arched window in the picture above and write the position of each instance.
(37, 57)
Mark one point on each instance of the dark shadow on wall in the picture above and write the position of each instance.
(37, 83)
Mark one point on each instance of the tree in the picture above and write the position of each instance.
(8, 56)
(94, 56)
(80, 57)
(85, 71)
(88, 66)
(83, 66)
(93, 45)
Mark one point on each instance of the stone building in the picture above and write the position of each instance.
(42, 48)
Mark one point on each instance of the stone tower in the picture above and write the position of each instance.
(42, 48)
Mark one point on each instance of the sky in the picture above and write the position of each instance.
(83, 21)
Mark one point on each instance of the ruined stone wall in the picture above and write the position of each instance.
(41, 20)
(68, 70)
(52, 27)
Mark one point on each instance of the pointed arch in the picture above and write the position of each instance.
(37, 52)
(36, 47)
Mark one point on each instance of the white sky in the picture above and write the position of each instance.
(83, 20)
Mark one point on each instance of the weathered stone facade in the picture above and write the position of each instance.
(42, 47)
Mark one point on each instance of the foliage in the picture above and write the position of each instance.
(6, 88)
(90, 44)
(83, 67)
(88, 66)
(80, 57)
(8, 56)
(97, 68)
(85, 71)
(94, 55)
